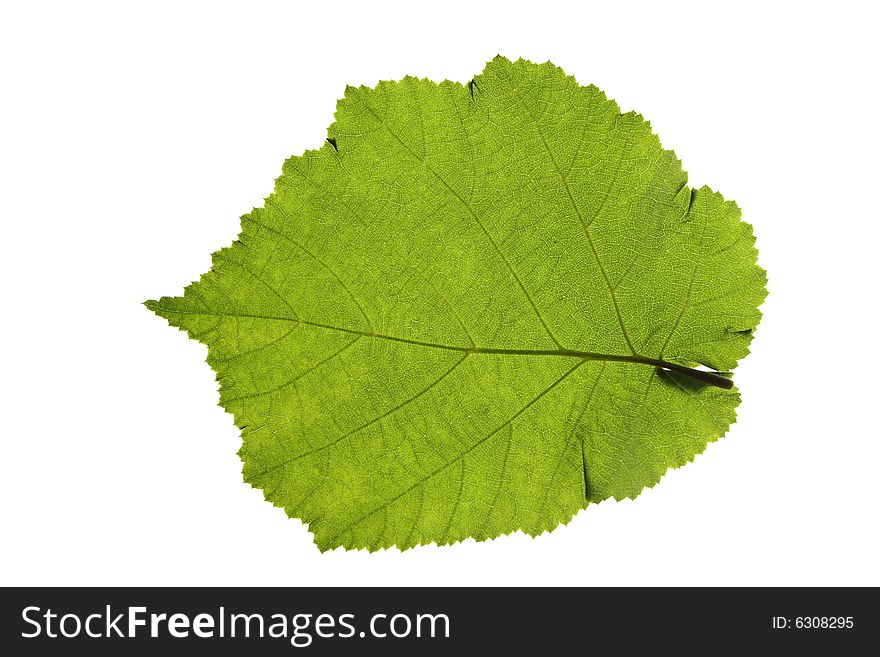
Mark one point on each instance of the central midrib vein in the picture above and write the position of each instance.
(709, 378)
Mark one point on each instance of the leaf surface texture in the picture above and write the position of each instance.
(400, 330)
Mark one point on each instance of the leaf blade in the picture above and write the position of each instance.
(382, 327)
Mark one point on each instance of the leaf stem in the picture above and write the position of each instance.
(710, 378)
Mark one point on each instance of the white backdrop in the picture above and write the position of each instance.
(133, 136)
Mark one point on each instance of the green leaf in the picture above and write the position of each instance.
(447, 322)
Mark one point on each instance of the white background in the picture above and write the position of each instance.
(133, 135)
